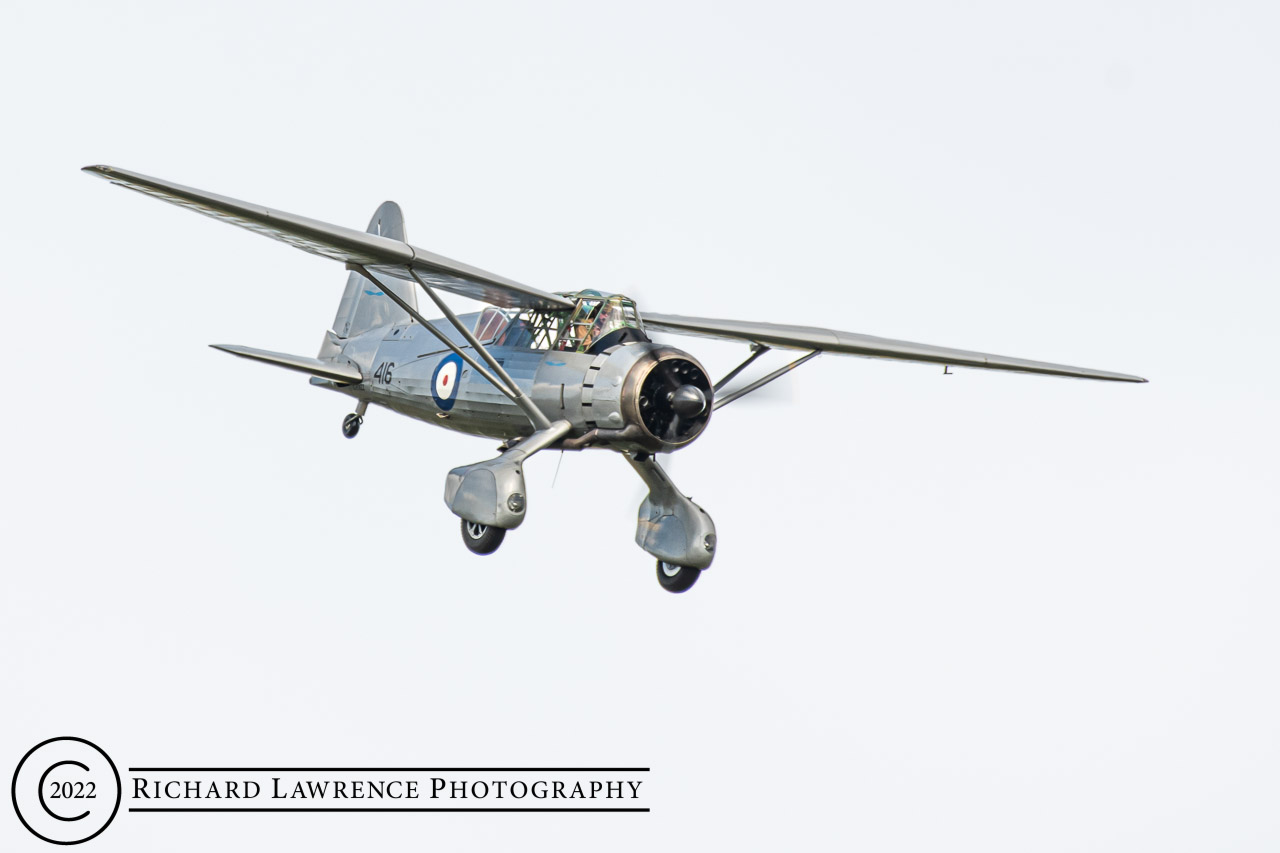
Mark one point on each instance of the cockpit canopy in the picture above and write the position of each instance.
(596, 318)
(596, 322)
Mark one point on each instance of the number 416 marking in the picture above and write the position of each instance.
(383, 373)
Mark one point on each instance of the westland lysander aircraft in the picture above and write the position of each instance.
(561, 371)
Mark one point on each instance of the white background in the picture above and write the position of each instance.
(981, 612)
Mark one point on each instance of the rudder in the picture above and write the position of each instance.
(364, 306)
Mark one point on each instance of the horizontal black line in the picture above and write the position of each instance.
(389, 769)
(379, 809)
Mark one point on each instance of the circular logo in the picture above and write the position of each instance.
(444, 382)
(66, 790)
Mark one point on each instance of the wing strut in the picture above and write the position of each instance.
(759, 383)
(506, 384)
(422, 321)
(513, 390)
(757, 350)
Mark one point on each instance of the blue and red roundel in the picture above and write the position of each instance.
(444, 382)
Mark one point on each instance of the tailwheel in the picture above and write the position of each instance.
(481, 538)
(676, 578)
(351, 425)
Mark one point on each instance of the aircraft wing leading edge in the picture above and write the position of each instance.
(348, 245)
(851, 343)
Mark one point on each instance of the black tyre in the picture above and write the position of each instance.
(481, 538)
(351, 425)
(677, 578)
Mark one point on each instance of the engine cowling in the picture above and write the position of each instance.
(670, 396)
(659, 394)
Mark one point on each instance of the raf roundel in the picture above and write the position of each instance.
(444, 383)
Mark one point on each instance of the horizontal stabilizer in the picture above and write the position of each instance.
(852, 343)
(384, 254)
(343, 374)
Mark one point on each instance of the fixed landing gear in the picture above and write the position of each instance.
(677, 578)
(351, 423)
(481, 538)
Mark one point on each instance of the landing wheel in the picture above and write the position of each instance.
(676, 578)
(481, 538)
(351, 425)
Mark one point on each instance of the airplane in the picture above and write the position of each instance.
(536, 370)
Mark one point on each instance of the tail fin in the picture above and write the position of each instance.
(363, 305)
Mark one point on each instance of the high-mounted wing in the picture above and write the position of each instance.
(381, 254)
(850, 343)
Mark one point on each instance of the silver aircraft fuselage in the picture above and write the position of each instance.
(402, 369)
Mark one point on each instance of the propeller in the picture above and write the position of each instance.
(674, 399)
(688, 401)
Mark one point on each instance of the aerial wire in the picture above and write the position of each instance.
(556, 476)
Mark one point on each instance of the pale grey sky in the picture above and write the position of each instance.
(976, 612)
